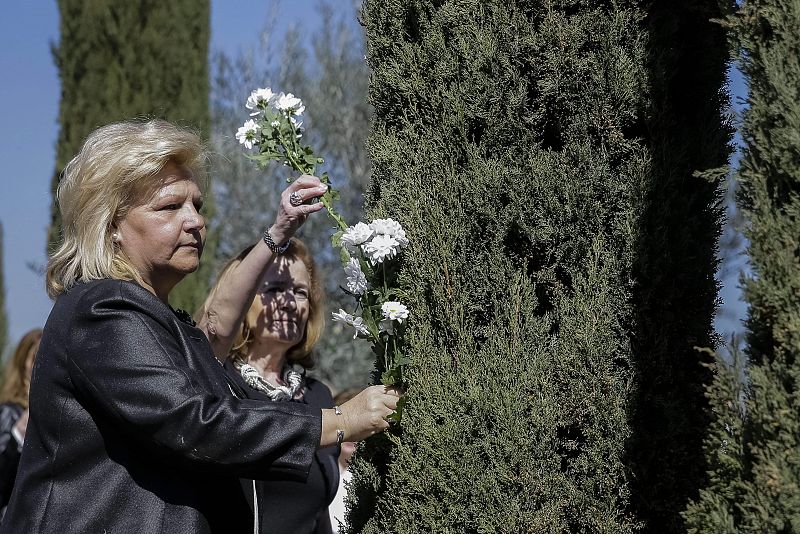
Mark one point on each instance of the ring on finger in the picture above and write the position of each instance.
(295, 199)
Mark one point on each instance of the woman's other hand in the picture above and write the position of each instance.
(362, 416)
(291, 216)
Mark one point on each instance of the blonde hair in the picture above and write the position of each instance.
(303, 353)
(114, 171)
(16, 382)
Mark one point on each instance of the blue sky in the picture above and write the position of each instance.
(28, 130)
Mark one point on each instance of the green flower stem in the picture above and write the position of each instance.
(305, 168)
(326, 201)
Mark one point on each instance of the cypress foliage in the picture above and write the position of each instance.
(676, 292)
(508, 141)
(766, 496)
(124, 59)
(3, 315)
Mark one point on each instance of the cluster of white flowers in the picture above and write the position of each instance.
(377, 242)
(264, 98)
(261, 100)
(352, 320)
(380, 240)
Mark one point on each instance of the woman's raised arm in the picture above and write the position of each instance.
(225, 308)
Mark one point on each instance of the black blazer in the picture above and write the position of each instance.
(134, 427)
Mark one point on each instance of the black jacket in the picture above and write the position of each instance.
(134, 427)
(288, 505)
(10, 413)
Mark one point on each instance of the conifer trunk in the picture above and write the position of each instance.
(128, 59)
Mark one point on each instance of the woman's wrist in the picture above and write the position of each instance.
(276, 244)
(334, 430)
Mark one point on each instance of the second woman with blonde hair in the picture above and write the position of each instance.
(268, 360)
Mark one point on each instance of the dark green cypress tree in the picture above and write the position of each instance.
(125, 59)
(676, 292)
(508, 140)
(3, 315)
(763, 495)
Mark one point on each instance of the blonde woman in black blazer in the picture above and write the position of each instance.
(134, 426)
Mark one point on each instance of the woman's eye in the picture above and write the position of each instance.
(301, 293)
(171, 207)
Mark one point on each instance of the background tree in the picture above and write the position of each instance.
(676, 291)
(121, 59)
(508, 140)
(329, 73)
(761, 490)
(3, 314)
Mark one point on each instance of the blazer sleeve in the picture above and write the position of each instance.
(128, 364)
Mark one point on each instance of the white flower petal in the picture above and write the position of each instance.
(390, 227)
(342, 317)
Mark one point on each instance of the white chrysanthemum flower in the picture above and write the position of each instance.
(392, 228)
(356, 281)
(275, 124)
(380, 248)
(289, 103)
(342, 317)
(246, 135)
(258, 100)
(356, 235)
(394, 311)
(361, 328)
(351, 320)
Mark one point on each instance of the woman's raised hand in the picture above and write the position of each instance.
(292, 215)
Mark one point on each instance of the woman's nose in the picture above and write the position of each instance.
(193, 221)
(287, 300)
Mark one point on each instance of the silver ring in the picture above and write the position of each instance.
(295, 199)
